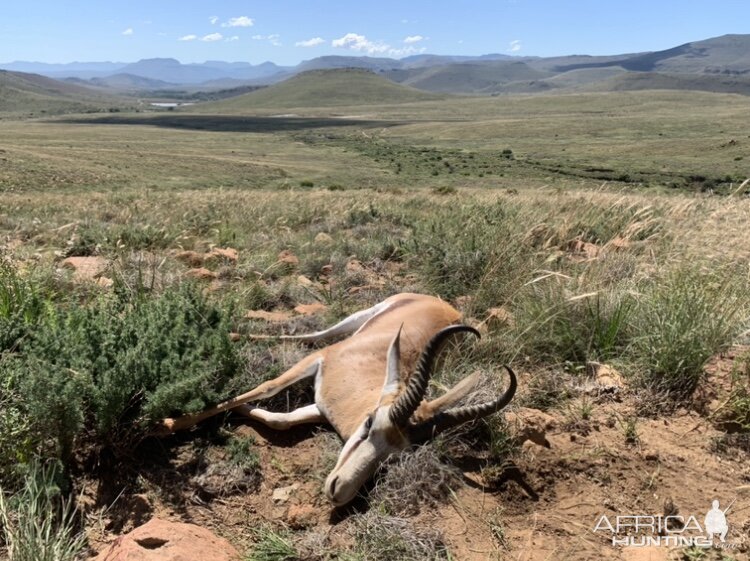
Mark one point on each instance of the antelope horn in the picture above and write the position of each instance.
(445, 420)
(414, 392)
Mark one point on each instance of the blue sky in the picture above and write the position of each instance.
(287, 32)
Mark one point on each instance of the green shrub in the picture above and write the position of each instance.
(15, 429)
(240, 452)
(110, 369)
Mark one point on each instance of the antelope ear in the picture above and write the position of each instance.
(392, 381)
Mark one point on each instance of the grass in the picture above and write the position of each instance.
(38, 523)
(271, 545)
(515, 228)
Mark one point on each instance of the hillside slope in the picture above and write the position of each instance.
(467, 77)
(325, 88)
(31, 93)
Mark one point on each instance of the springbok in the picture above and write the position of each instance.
(359, 388)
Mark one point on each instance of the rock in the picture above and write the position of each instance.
(354, 266)
(619, 242)
(85, 268)
(326, 270)
(191, 258)
(499, 317)
(227, 254)
(585, 249)
(288, 257)
(105, 282)
(606, 377)
(268, 316)
(234, 337)
(531, 425)
(301, 516)
(302, 280)
(201, 273)
(323, 239)
(161, 540)
(310, 309)
(283, 494)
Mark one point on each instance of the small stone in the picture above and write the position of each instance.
(268, 316)
(85, 268)
(228, 254)
(105, 282)
(606, 376)
(283, 494)
(301, 516)
(191, 258)
(302, 280)
(498, 317)
(531, 425)
(201, 273)
(322, 239)
(234, 337)
(310, 309)
(354, 266)
(288, 257)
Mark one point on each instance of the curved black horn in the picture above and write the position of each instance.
(445, 420)
(410, 398)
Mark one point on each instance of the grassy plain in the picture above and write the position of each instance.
(574, 230)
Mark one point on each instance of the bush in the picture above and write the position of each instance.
(15, 430)
(112, 368)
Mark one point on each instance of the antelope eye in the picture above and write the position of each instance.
(368, 424)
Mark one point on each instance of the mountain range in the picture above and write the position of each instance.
(717, 64)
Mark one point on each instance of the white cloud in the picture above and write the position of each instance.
(360, 43)
(212, 37)
(314, 42)
(188, 38)
(233, 38)
(273, 39)
(128, 31)
(241, 21)
(515, 46)
(413, 39)
(214, 20)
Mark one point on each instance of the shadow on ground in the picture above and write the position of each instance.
(228, 123)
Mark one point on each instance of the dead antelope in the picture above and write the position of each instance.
(359, 388)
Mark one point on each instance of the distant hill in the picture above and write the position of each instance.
(477, 78)
(21, 92)
(325, 88)
(728, 54)
(727, 58)
(124, 81)
(629, 81)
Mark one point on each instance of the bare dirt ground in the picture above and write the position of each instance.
(604, 465)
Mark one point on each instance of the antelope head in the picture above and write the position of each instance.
(392, 425)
